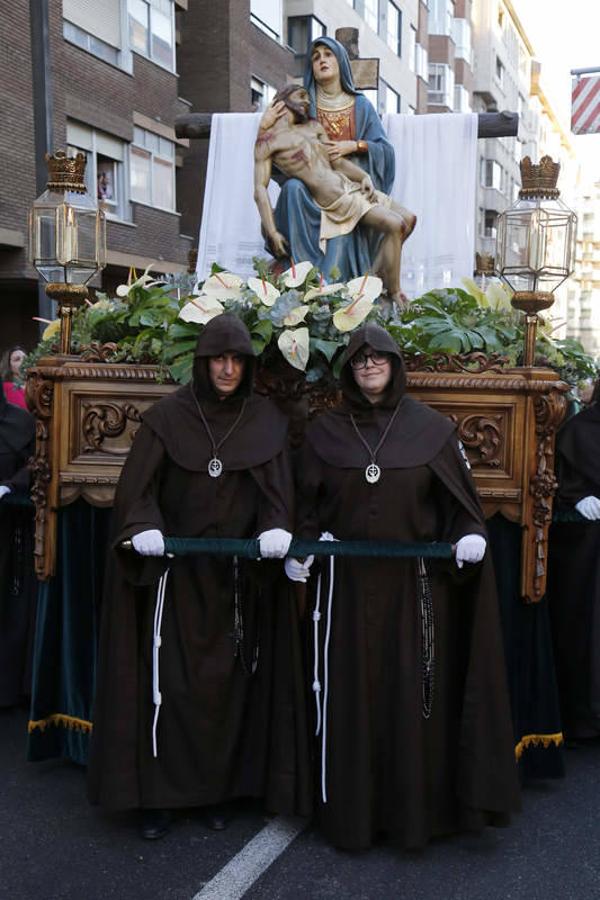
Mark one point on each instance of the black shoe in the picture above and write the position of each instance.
(217, 818)
(155, 823)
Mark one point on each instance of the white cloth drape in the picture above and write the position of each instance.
(230, 229)
(435, 178)
(436, 159)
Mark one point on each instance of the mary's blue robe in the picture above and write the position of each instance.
(298, 217)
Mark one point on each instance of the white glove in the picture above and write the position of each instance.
(470, 548)
(275, 543)
(149, 543)
(588, 507)
(296, 570)
(4, 491)
(327, 536)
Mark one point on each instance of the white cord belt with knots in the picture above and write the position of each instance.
(322, 716)
(156, 642)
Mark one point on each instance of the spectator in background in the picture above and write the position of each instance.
(17, 579)
(12, 381)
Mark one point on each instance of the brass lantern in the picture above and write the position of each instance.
(67, 237)
(535, 244)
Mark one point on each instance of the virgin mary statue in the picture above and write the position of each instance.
(355, 130)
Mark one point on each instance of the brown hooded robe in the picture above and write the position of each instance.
(574, 577)
(222, 732)
(388, 768)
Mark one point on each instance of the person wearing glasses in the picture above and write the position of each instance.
(414, 736)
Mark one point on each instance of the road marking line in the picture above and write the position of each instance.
(248, 865)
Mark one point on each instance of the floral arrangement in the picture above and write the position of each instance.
(297, 317)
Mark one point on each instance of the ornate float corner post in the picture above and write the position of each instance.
(40, 398)
(549, 409)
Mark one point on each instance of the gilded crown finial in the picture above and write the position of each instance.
(539, 180)
(66, 173)
(484, 264)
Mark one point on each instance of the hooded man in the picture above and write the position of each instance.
(574, 572)
(415, 736)
(187, 708)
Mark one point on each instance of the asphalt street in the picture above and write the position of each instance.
(56, 847)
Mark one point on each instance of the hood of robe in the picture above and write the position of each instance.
(579, 442)
(224, 333)
(416, 436)
(259, 435)
(376, 337)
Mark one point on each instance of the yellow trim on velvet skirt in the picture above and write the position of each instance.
(71, 722)
(535, 740)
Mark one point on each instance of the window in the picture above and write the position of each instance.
(261, 94)
(105, 165)
(89, 42)
(389, 99)
(461, 99)
(441, 85)
(372, 98)
(412, 48)
(152, 169)
(394, 28)
(268, 16)
(490, 221)
(151, 31)
(371, 14)
(421, 62)
(441, 13)
(461, 33)
(499, 71)
(302, 31)
(491, 174)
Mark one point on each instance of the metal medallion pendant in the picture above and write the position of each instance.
(372, 473)
(215, 467)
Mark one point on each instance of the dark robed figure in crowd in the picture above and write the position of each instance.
(356, 133)
(210, 715)
(574, 573)
(17, 579)
(415, 736)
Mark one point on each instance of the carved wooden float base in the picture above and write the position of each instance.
(87, 414)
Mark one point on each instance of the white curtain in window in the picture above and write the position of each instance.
(102, 18)
(270, 13)
(436, 159)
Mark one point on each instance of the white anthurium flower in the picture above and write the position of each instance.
(145, 280)
(295, 316)
(294, 346)
(201, 309)
(266, 292)
(349, 317)
(296, 274)
(223, 286)
(498, 295)
(323, 290)
(369, 286)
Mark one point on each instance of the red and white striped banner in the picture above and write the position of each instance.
(585, 107)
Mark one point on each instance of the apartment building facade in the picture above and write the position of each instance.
(108, 78)
(583, 290)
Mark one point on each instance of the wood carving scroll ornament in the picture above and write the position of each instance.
(483, 436)
(471, 363)
(107, 420)
(40, 395)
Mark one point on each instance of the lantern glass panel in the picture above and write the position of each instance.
(67, 237)
(535, 244)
